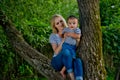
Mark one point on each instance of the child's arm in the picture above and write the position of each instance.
(73, 35)
(78, 40)
(77, 37)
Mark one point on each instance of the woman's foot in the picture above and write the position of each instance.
(63, 74)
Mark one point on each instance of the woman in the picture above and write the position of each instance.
(62, 59)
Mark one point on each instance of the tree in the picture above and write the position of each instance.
(90, 48)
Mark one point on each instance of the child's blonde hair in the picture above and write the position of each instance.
(53, 22)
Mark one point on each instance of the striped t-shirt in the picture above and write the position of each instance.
(71, 40)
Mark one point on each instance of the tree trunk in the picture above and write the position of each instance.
(90, 48)
(118, 74)
(32, 56)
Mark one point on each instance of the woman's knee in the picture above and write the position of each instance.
(66, 52)
(57, 65)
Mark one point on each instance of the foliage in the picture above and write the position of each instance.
(6, 58)
(32, 17)
(111, 48)
(109, 12)
(12, 66)
(110, 21)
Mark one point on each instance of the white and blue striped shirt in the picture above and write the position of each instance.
(71, 40)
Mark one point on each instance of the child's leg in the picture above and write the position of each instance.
(71, 48)
(73, 53)
(71, 75)
(78, 69)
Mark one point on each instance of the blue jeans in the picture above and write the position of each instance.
(71, 48)
(78, 69)
(63, 58)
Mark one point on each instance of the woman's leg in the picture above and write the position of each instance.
(67, 61)
(57, 63)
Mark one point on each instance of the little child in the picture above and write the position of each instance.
(72, 35)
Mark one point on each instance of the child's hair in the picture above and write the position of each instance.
(71, 17)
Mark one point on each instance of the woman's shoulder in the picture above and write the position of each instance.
(53, 35)
(54, 38)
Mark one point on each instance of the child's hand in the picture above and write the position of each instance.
(66, 35)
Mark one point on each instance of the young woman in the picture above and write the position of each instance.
(62, 59)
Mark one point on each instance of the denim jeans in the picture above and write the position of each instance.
(78, 69)
(63, 58)
(71, 48)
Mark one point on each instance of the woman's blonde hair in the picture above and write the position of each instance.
(54, 29)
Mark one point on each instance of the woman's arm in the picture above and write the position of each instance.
(57, 48)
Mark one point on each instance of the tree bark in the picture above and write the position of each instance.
(118, 74)
(32, 56)
(90, 48)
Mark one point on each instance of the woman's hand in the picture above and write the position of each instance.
(63, 39)
(57, 48)
(66, 35)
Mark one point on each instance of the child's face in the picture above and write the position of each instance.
(72, 23)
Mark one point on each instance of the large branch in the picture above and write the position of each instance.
(32, 56)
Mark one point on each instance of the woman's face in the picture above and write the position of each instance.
(59, 24)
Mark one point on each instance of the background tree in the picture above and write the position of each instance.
(91, 41)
